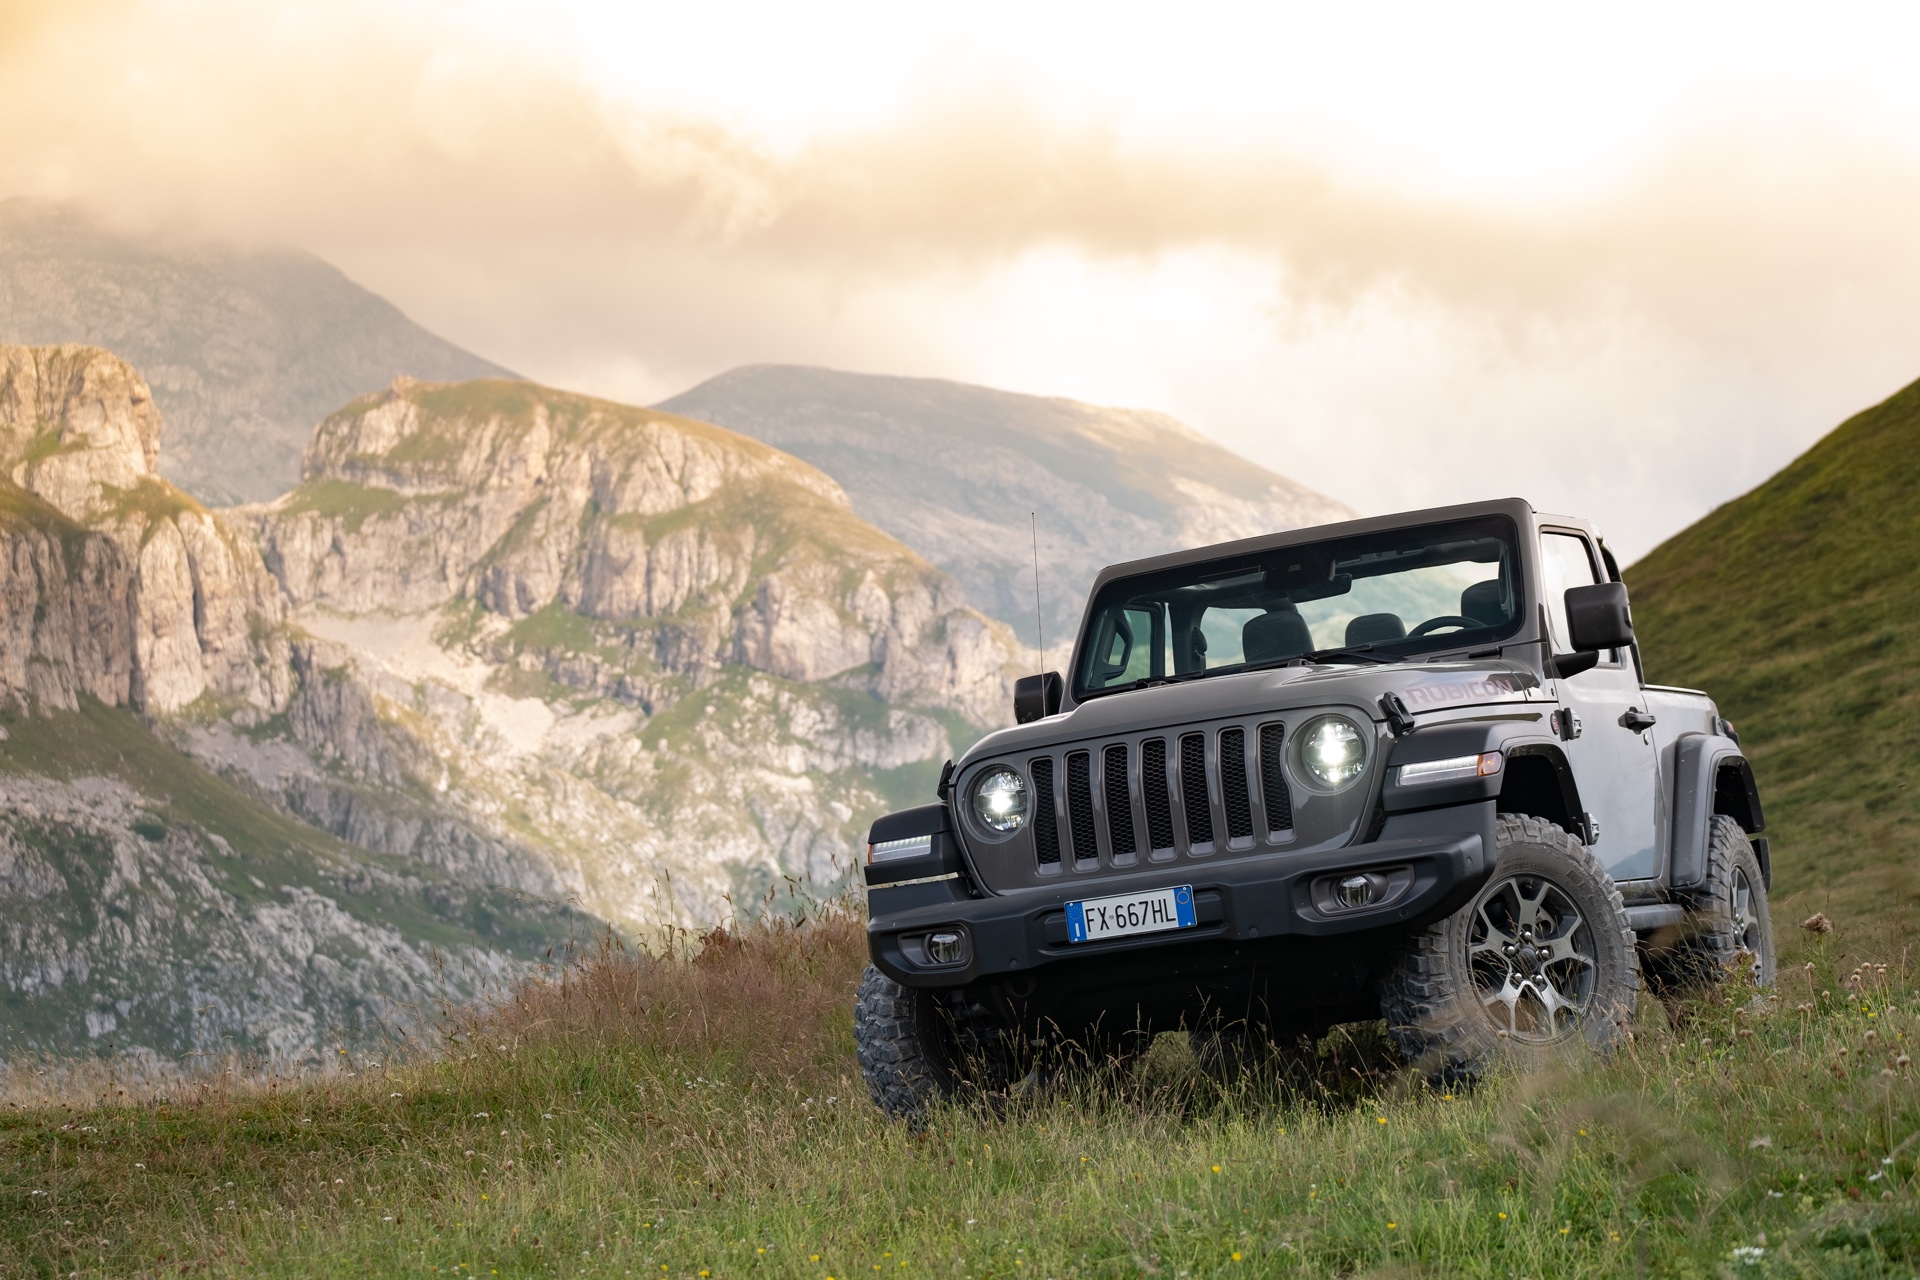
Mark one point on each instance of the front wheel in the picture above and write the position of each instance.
(918, 1048)
(1542, 961)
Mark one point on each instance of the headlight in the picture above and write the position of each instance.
(1330, 752)
(1000, 800)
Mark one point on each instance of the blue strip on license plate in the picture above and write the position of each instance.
(1153, 911)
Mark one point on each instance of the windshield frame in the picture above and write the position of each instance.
(1281, 567)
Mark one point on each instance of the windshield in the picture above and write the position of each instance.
(1385, 595)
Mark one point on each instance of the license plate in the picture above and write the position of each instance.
(1150, 912)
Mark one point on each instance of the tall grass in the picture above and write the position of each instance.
(700, 1115)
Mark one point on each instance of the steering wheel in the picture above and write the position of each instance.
(1450, 620)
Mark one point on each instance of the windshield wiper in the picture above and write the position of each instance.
(1349, 653)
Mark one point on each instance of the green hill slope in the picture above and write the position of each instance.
(1798, 606)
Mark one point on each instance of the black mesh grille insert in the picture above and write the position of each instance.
(1193, 788)
(1233, 784)
(1119, 803)
(1080, 805)
(1153, 781)
(1273, 779)
(1046, 835)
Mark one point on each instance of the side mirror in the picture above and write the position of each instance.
(1598, 617)
(1035, 697)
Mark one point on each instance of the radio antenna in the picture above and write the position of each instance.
(1039, 625)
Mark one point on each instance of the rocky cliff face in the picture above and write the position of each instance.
(662, 664)
(144, 903)
(116, 584)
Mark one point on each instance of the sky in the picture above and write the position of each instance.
(1624, 261)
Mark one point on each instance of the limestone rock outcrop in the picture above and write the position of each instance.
(115, 583)
(711, 548)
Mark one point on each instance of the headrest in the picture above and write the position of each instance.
(1481, 602)
(1274, 635)
(1372, 628)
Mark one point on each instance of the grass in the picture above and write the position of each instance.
(344, 500)
(700, 1115)
(1798, 607)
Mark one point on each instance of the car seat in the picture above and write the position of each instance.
(1375, 628)
(1482, 603)
(1275, 635)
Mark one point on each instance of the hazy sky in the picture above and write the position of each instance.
(1625, 261)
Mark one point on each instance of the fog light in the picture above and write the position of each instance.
(947, 948)
(1356, 891)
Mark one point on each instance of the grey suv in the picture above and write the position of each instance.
(1406, 767)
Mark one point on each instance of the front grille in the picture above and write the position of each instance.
(1214, 790)
(1153, 781)
(1193, 788)
(1119, 803)
(1046, 835)
(1080, 806)
(1273, 779)
(1233, 784)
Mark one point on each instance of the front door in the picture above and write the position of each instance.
(1614, 763)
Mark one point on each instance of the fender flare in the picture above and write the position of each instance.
(1515, 739)
(1710, 776)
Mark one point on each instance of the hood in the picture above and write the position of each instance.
(1425, 687)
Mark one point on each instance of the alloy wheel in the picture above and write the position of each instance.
(1531, 953)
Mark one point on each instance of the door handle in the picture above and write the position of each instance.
(1637, 720)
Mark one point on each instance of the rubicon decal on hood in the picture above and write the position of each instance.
(1456, 690)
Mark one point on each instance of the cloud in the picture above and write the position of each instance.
(1667, 336)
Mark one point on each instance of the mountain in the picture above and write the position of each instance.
(507, 666)
(954, 472)
(659, 660)
(244, 349)
(144, 902)
(1798, 607)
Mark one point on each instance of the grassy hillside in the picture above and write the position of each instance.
(1798, 607)
(701, 1119)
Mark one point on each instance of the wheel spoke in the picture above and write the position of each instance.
(1554, 1004)
(1531, 908)
(1561, 950)
(1507, 995)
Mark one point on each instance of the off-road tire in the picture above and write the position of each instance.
(918, 1048)
(1432, 999)
(1727, 915)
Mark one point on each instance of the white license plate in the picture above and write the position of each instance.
(1151, 912)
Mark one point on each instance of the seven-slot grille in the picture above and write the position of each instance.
(1205, 780)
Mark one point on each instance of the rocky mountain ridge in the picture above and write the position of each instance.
(956, 472)
(503, 649)
(144, 903)
(667, 658)
(244, 348)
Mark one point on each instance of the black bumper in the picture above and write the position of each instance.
(1433, 863)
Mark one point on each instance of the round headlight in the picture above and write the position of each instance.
(1000, 800)
(1331, 751)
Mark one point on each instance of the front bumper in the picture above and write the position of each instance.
(1434, 862)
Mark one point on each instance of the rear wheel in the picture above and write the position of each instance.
(1540, 963)
(1729, 928)
(919, 1047)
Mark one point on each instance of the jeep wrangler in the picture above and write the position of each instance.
(1405, 768)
